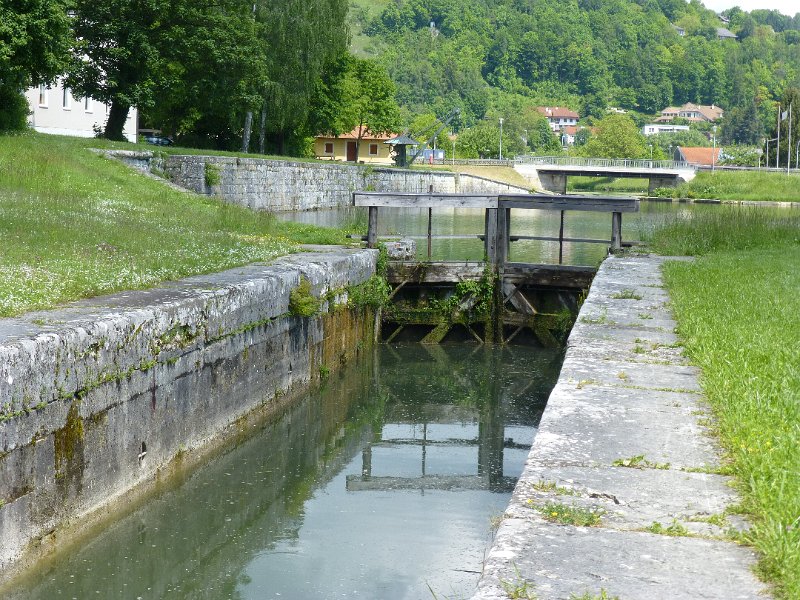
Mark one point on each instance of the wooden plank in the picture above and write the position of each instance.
(372, 228)
(356, 483)
(408, 200)
(436, 272)
(569, 202)
(616, 231)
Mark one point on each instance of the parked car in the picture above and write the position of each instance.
(158, 140)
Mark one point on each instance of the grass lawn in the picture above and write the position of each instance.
(75, 224)
(619, 185)
(739, 185)
(507, 175)
(738, 309)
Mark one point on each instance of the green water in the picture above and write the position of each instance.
(541, 223)
(382, 486)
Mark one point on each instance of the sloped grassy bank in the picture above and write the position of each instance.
(737, 307)
(75, 224)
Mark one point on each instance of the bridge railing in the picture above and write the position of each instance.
(614, 163)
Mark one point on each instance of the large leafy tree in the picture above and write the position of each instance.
(368, 99)
(34, 41)
(616, 136)
(133, 53)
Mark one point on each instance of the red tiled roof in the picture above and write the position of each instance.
(700, 156)
(353, 135)
(558, 112)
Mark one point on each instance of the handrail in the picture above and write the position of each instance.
(624, 163)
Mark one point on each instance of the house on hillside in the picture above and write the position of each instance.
(691, 112)
(343, 147)
(679, 30)
(54, 110)
(726, 34)
(559, 117)
(699, 157)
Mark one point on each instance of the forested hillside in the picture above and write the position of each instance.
(586, 54)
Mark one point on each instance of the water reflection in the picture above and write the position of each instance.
(543, 223)
(378, 486)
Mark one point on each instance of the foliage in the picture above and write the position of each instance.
(736, 185)
(741, 328)
(373, 292)
(368, 99)
(790, 98)
(616, 136)
(34, 41)
(739, 228)
(302, 302)
(566, 514)
(211, 174)
(75, 225)
(675, 529)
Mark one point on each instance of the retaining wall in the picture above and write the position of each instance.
(98, 397)
(277, 185)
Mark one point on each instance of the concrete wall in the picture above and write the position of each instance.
(99, 397)
(276, 185)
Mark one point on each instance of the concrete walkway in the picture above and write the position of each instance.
(622, 435)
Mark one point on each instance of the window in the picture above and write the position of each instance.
(66, 99)
(328, 147)
(373, 149)
(43, 95)
(87, 104)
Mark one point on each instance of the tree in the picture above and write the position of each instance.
(616, 136)
(742, 125)
(34, 43)
(368, 96)
(790, 98)
(131, 52)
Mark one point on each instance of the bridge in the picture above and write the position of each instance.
(551, 172)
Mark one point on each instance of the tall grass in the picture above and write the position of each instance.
(75, 224)
(739, 185)
(738, 309)
(729, 228)
(611, 185)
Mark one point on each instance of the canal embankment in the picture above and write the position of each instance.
(289, 185)
(101, 396)
(622, 491)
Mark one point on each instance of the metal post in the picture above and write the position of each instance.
(430, 219)
(372, 228)
(616, 232)
(561, 240)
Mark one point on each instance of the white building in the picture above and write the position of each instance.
(656, 128)
(54, 110)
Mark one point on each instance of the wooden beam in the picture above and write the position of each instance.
(616, 231)
(372, 228)
(569, 202)
(409, 200)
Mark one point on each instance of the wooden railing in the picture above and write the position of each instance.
(496, 235)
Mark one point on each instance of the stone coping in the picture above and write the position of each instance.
(625, 396)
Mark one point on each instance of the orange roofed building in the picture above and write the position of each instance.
(343, 147)
(701, 157)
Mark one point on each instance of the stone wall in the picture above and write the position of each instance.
(97, 398)
(278, 185)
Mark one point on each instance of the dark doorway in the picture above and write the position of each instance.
(352, 156)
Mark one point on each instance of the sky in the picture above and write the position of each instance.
(787, 7)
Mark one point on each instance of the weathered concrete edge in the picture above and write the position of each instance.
(126, 343)
(620, 555)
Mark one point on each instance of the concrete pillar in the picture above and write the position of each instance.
(554, 182)
(661, 181)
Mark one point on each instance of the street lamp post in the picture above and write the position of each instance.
(501, 138)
